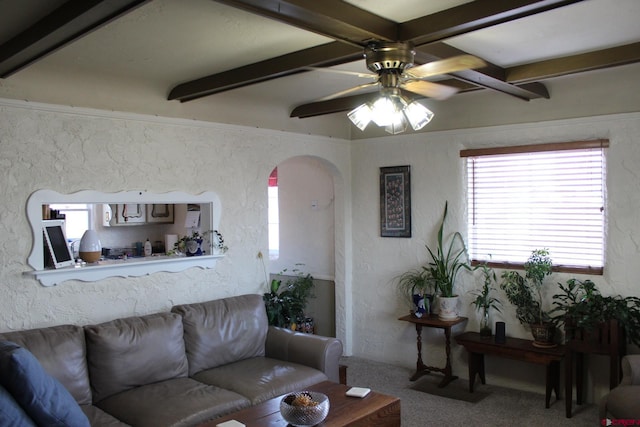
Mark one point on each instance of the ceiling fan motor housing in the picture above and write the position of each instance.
(381, 56)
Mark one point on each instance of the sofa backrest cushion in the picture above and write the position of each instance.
(61, 352)
(12, 414)
(223, 331)
(135, 351)
(42, 397)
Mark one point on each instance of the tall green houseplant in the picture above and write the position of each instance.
(447, 259)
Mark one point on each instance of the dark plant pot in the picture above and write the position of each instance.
(543, 335)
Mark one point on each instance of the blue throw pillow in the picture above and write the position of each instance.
(41, 396)
(11, 414)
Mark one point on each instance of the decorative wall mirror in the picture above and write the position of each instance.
(159, 214)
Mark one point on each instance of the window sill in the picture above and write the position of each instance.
(132, 267)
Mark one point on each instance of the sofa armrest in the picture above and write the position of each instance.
(315, 351)
(631, 369)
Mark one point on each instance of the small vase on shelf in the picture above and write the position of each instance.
(485, 324)
(90, 246)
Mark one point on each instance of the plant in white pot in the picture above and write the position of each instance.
(416, 289)
(446, 261)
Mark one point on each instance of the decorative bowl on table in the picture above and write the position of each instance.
(304, 408)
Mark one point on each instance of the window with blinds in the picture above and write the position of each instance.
(538, 196)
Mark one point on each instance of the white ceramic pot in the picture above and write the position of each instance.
(448, 308)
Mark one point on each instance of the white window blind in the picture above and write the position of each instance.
(539, 196)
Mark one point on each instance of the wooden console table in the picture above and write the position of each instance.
(432, 321)
(513, 348)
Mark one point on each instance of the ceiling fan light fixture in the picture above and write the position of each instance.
(386, 111)
(418, 115)
(361, 116)
(397, 126)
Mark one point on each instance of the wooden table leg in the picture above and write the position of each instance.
(553, 381)
(481, 369)
(579, 376)
(568, 382)
(421, 368)
(476, 367)
(448, 373)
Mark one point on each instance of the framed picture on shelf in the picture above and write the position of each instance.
(160, 213)
(395, 201)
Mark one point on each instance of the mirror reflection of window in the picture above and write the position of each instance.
(77, 218)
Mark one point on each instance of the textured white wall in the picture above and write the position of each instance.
(437, 175)
(67, 150)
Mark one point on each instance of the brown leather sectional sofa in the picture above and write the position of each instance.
(183, 367)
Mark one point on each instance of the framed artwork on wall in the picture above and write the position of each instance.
(395, 201)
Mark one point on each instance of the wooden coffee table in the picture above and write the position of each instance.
(373, 410)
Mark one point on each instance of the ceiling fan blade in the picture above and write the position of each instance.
(429, 89)
(347, 91)
(349, 73)
(444, 66)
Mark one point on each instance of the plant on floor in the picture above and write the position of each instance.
(583, 306)
(285, 303)
(484, 301)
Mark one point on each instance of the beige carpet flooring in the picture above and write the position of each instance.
(499, 407)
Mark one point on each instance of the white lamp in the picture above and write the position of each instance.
(90, 246)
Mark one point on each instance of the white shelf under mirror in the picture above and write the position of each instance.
(210, 210)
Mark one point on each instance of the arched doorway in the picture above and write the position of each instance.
(307, 230)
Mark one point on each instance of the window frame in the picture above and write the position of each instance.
(538, 148)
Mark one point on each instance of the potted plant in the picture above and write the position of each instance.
(415, 287)
(582, 306)
(525, 292)
(446, 262)
(484, 301)
(191, 244)
(285, 305)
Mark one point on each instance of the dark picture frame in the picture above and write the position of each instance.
(395, 201)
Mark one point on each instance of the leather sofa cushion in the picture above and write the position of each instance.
(61, 352)
(261, 378)
(130, 352)
(97, 417)
(223, 331)
(172, 403)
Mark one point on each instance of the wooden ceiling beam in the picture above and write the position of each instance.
(71, 21)
(320, 56)
(621, 55)
(472, 16)
(331, 18)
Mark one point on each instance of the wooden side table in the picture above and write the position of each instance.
(432, 321)
(513, 348)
